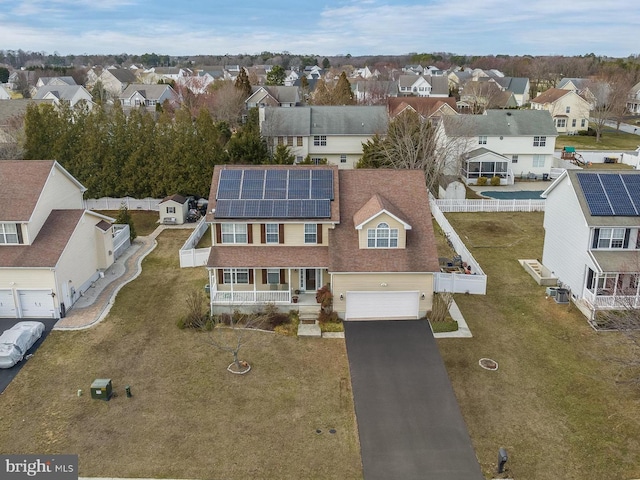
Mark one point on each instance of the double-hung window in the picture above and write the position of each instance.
(272, 233)
(514, 158)
(538, 161)
(611, 238)
(382, 236)
(320, 140)
(236, 275)
(234, 232)
(273, 276)
(539, 141)
(9, 233)
(310, 233)
(561, 122)
(482, 140)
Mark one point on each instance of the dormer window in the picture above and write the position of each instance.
(382, 236)
(9, 234)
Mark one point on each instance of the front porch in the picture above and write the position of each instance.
(612, 290)
(244, 286)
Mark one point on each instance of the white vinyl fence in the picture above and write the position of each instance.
(110, 203)
(121, 239)
(482, 205)
(190, 256)
(456, 282)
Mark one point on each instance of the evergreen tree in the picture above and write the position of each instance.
(242, 83)
(276, 75)
(342, 93)
(124, 218)
(283, 156)
(325, 63)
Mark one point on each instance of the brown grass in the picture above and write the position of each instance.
(554, 403)
(188, 417)
(144, 221)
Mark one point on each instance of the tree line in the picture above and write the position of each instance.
(139, 153)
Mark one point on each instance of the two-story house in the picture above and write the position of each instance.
(323, 132)
(139, 94)
(115, 80)
(70, 95)
(51, 248)
(633, 100)
(592, 241)
(569, 110)
(502, 143)
(423, 86)
(279, 233)
(273, 96)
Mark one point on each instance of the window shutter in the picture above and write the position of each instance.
(251, 276)
(263, 233)
(319, 232)
(596, 237)
(218, 233)
(264, 276)
(627, 232)
(249, 232)
(590, 279)
(19, 230)
(282, 279)
(220, 276)
(281, 233)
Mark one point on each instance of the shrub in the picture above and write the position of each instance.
(482, 181)
(446, 326)
(495, 181)
(197, 314)
(328, 317)
(440, 308)
(324, 297)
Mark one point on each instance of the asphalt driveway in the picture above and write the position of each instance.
(408, 417)
(8, 374)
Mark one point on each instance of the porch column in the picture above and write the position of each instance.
(231, 275)
(290, 284)
(255, 282)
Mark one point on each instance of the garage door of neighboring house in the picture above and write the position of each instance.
(7, 304)
(382, 305)
(36, 303)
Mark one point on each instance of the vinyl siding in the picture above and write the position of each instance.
(392, 222)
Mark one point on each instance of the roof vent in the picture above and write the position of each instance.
(509, 114)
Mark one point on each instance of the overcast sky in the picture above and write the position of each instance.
(325, 27)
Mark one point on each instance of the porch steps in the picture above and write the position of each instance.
(308, 326)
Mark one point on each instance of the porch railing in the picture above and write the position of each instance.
(611, 302)
(251, 296)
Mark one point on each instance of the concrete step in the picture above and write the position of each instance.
(309, 330)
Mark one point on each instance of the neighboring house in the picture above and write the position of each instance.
(374, 91)
(592, 241)
(65, 95)
(503, 143)
(273, 96)
(570, 111)
(140, 94)
(174, 210)
(291, 78)
(431, 109)
(279, 233)
(51, 248)
(478, 95)
(155, 74)
(50, 81)
(519, 86)
(323, 132)
(423, 86)
(4, 94)
(116, 80)
(633, 101)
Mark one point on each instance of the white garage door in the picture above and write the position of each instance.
(36, 303)
(382, 305)
(7, 305)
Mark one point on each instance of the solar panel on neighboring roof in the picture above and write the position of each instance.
(277, 193)
(611, 194)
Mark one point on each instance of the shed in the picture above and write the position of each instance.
(174, 210)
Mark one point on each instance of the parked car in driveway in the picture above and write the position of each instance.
(15, 342)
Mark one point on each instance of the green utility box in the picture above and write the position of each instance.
(101, 389)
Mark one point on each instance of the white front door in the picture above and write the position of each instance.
(36, 303)
(7, 304)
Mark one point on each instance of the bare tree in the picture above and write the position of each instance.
(627, 322)
(227, 332)
(602, 111)
(480, 95)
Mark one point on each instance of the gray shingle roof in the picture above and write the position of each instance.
(502, 122)
(325, 120)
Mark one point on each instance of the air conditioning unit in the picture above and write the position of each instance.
(552, 291)
(562, 295)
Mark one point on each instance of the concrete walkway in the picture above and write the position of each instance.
(96, 301)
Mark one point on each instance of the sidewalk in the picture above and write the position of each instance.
(463, 329)
(96, 301)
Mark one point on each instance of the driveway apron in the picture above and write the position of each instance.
(409, 421)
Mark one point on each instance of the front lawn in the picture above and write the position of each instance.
(610, 140)
(553, 403)
(188, 417)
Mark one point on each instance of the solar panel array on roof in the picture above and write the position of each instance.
(277, 193)
(611, 194)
